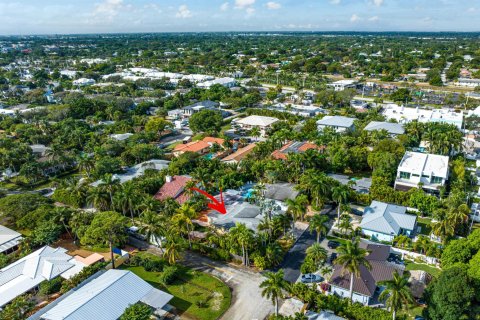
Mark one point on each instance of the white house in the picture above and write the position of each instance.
(393, 129)
(466, 82)
(105, 297)
(342, 84)
(261, 122)
(82, 82)
(226, 82)
(9, 239)
(27, 273)
(383, 222)
(430, 170)
(338, 123)
(405, 115)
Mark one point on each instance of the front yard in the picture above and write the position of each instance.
(197, 295)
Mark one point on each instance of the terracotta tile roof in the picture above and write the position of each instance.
(240, 153)
(367, 282)
(197, 146)
(294, 147)
(174, 189)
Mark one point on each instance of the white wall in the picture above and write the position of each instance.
(346, 294)
(379, 236)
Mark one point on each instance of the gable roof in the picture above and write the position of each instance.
(174, 189)
(336, 121)
(280, 191)
(260, 121)
(366, 283)
(392, 128)
(196, 146)
(387, 218)
(240, 153)
(8, 238)
(44, 264)
(106, 297)
(294, 147)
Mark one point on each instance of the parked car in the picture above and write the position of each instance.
(333, 244)
(311, 278)
(333, 256)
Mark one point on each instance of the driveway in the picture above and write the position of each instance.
(247, 301)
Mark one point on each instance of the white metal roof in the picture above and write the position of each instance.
(27, 273)
(424, 164)
(336, 121)
(260, 121)
(387, 218)
(392, 128)
(106, 298)
(8, 238)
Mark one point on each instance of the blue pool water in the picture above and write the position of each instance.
(209, 156)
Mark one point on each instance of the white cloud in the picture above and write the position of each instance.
(374, 18)
(152, 7)
(244, 4)
(183, 12)
(472, 9)
(354, 18)
(335, 1)
(273, 5)
(108, 9)
(225, 6)
(377, 3)
(250, 11)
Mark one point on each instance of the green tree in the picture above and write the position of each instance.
(156, 125)
(273, 287)
(319, 224)
(340, 195)
(243, 236)
(137, 311)
(351, 258)
(209, 121)
(397, 294)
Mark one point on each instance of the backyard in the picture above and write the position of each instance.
(424, 267)
(197, 295)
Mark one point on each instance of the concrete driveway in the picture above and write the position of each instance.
(247, 301)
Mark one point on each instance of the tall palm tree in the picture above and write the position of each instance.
(110, 184)
(152, 226)
(273, 287)
(317, 253)
(319, 224)
(255, 132)
(183, 220)
(173, 251)
(351, 257)
(340, 195)
(444, 228)
(244, 237)
(85, 164)
(298, 206)
(345, 224)
(98, 198)
(397, 294)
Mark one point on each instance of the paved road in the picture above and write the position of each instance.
(247, 301)
(294, 258)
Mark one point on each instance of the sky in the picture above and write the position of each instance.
(119, 16)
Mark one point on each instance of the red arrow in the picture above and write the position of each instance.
(216, 205)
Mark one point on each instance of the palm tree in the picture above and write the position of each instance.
(152, 226)
(345, 224)
(397, 294)
(273, 287)
(173, 251)
(255, 132)
(274, 253)
(110, 185)
(298, 206)
(183, 220)
(340, 195)
(351, 257)
(317, 253)
(319, 224)
(244, 237)
(98, 198)
(444, 228)
(85, 164)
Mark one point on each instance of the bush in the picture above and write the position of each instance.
(137, 311)
(169, 274)
(50, 287)
(260, 262)
(148, 261)
(220, 254)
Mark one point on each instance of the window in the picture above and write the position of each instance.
(404, 175)
(437, 179)
(415, 175)
(425, 176)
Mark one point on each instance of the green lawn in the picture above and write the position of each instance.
(192, 287)
(425, 224)
(339, 240)
(419, 266)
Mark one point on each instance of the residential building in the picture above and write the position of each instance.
(261, 122)
(405, 115)
(342, 85)
(429, 170)
(366, 284)
(27, 273)
(226, 82)
(280, 192)
(39, 149)
(383, 221)
(174, 187)
(296, 148)
(9, 240)
(323, 315)
(240, 154)
(202, 105)
(359, 105)
(105, 296)
(360, 185)
(337, 123)
(392, 128)
(121, 136)
(466, 82)
(201, 146)
(297, 109)
(83, 82)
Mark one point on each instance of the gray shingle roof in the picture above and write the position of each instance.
(392, 128)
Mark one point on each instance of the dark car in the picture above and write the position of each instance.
(333, 256)
(311, 278)
(333, 244)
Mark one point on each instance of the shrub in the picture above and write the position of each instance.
(150, 262)
(137, 311)
(220, 254)
(50, 287)
(169, 274)
(260, 262)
